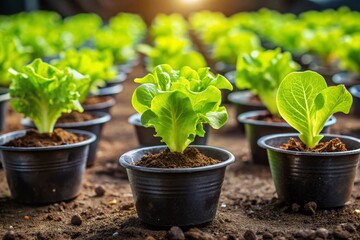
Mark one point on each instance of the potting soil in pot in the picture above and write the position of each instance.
(334, 145)
(166, 159)
(95, 99)
(35, 139)
(75, 116)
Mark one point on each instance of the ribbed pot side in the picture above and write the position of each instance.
(301, 177)
(94, 126)
(41, 175)
(176, 197)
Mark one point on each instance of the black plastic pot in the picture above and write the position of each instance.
(41, 175)
(4, 98)
(120, 78)
(145, 135)
(167, 197)
(94, 126)
(326, 71)
(347, 78)
(222, 68)
(111, 91)
(243, 103)
(101, 106)
(255, 129)
(355, 92)
(127, 67)
(225, 93)
(301, 177)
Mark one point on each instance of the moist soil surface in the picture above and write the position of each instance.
(33, 138)
(75, 116)
(334, 145)
(268, 118)
(248, 207)
(189, 159)
(95, 100)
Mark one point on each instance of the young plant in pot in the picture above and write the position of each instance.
(98, 65)
(46, 165)
(12, 55)
(146, 135)
(262, 73)
(91, 121)
(349, 56)
(171, 50)
(303, 168)
(177, 185)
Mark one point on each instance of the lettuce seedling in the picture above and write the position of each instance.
(306, 103)
(227, 47)
(178, 102)
(175, 51)
(169, 25)
(12, 54)
(43, 92)
(98, 65)
(262, 73)
(349, 53)
(120, 45)
(129, 23)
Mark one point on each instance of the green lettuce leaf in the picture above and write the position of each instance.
(306, 103)
(43, 92)
(262, 73)
(178, 102)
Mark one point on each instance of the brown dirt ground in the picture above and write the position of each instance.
(248, 207)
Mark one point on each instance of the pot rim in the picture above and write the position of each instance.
(9, 136)
(102, 117)
(355, 90)
(106, 91)
(262, 143)
(119, 78)
(135, 119)
(109, 103)
(241, 97)
(126, 157)
(4, 94)
(245, 118)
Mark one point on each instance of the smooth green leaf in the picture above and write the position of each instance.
(173, 118)
(262, 73)
(306, 103)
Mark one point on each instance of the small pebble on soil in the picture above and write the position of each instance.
(197, 234)
(249, 235)
(310, 208)
(99, 191)
(175, 233)
(76, 220)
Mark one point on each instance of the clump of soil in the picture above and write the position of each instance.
(75, 116)
(334, 145)
(255, 99)
(268, 118)
(35, 139)
(95, 100)
(189, 159)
